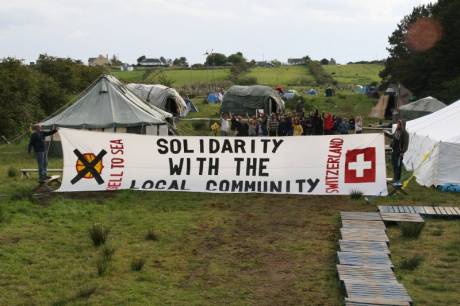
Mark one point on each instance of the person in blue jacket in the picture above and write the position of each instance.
(37, 143)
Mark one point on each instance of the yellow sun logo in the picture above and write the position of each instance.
(89, 157)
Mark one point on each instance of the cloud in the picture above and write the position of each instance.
(84, 28)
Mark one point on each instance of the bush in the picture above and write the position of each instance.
(107, 252)
(356, 195)
(137, 264)
(102, 265)
(246, 80)
(199, 125)
(411, 263)
(98, 234)
(151, 235)
(411, 229)
(12, 172)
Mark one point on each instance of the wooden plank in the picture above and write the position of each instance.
(357, 301)
(384, 208)
(436, 210)
(374, 260)
(457, 210)
(451, 211)
(363, 224)
(366, 216)
(365, 274)
(429, 210)
(377, 293)
(401, 217)
(412, 210)
(364, 246)
(364, 235)
(443, 211)
(419, 210)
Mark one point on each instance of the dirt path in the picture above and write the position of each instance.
(270, 251)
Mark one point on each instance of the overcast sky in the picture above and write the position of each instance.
(347, 30)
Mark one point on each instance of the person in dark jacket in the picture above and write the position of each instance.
(399, 144)
(37, 143)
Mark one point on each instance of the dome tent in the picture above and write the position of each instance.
(434, 147)
(242, 100)
(161, 96)
(420, 108)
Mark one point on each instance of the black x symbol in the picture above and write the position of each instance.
(89, 167)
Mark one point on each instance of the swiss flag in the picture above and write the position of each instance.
(360, 166)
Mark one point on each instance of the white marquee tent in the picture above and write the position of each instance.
(434, 147)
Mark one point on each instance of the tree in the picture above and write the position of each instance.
(180, 62)
(216, 59)
(141, 58)
(332, 62)
(236, 58)
(324, 61)
(307, 59)
(424, 53)
(276, 63)
(19, 92)
(115, 61)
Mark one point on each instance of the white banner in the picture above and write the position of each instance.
(326, 165)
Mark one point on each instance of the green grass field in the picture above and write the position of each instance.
(284, 75)
(355, 74)
(211, 249)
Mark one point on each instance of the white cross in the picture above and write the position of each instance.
(360, 165)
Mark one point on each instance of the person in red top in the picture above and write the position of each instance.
(328, 124)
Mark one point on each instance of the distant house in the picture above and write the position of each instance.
(101, 60)
(296, 61)
(264, 64)
(126, 67)
(151, 62)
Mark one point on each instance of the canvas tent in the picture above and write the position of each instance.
(434, 147)
(214, 97)
(420, 108)
(107, 105)
(242, 100)
(161, 96)
(190, 106)
(389, 103)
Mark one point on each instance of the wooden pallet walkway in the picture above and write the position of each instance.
(365, 274)
(375, 260)
(377, 293)
(402, 217)
(364, 246)
(432, 211)
(362, 234)
(364, 216)
(365, 267)
(363, 224)
(367, 304)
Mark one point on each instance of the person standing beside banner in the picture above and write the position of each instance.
(358, 125)
(37, 143)
(399, 145)
(224, 125)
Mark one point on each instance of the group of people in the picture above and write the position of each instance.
(290, 124)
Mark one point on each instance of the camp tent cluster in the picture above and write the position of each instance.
(243, 100)
(434, 147)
